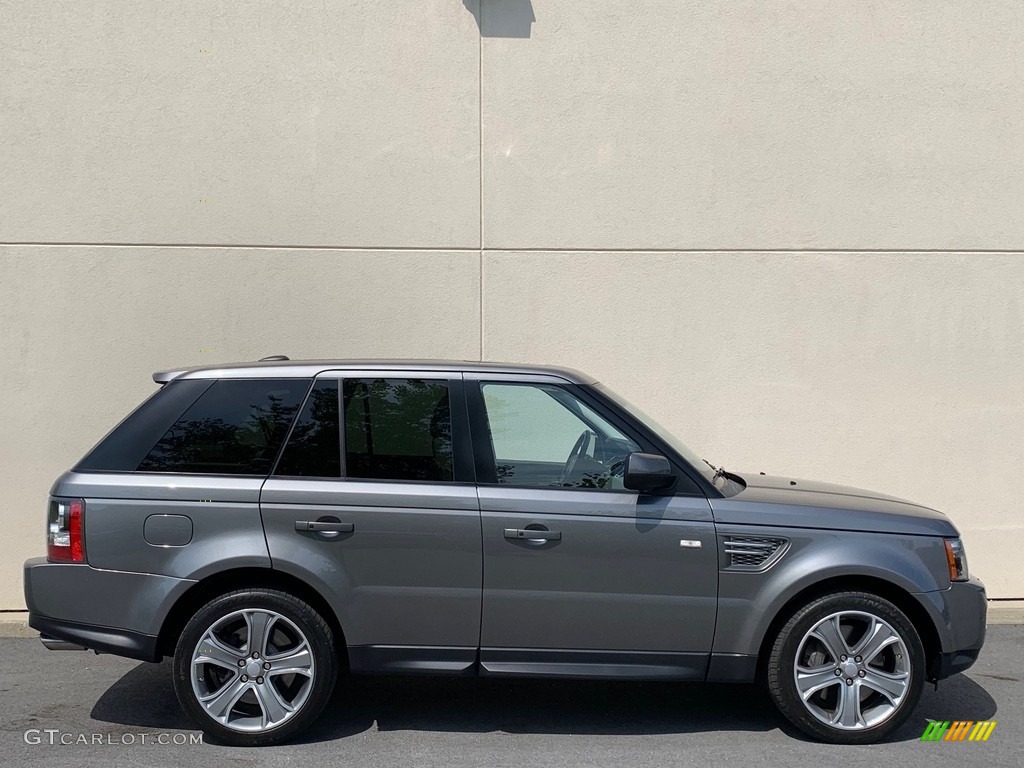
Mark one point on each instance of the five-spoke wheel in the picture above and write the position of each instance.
(847, 668)
(254, 667)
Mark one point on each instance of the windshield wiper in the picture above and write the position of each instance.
(719, 471)
(723, 472)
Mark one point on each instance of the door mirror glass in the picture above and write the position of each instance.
(647, 472)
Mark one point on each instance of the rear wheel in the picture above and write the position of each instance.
(847, 668)
(255, 667)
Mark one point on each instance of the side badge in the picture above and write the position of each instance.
(689, 543)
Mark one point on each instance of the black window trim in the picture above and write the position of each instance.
(291, 428)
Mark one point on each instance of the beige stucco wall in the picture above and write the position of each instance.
(790, 231)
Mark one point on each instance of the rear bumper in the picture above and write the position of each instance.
(114, 612)
(121, 642)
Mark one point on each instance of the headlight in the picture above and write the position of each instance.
(957, 559)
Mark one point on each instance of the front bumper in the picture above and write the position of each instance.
(114, 612)
(964, 609)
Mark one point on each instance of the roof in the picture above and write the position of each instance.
(309, 368)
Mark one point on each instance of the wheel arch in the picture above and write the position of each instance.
(222, 582)
(894, 593)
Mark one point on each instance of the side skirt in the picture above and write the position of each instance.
(607, 665)
(531, 662)
(411, 660)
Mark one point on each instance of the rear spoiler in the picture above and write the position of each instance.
(162, 377)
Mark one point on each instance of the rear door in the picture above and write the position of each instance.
(580, 575)
(372, 502)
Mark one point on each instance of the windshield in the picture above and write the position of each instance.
(695, 461)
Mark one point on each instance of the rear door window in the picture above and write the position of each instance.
(397, 429)
(235, 428)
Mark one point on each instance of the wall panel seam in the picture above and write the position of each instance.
(498, 249)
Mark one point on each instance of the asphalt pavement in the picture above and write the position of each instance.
(116, 712)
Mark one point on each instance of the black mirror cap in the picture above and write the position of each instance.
(647, 473)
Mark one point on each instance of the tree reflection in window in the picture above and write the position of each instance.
(397, 429)
(235, 428)
(314, 446)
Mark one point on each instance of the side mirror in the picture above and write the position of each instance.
(647, 472)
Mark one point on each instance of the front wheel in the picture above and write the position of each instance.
(255, 667)
(848, 668)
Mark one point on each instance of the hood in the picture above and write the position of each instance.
(791, 502)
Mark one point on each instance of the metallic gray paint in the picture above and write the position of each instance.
(409, 574)
(772, 501)
(960, 613)
(225, 535)
(167, 530)
(749, 602)
(617, 580)
(82, 594)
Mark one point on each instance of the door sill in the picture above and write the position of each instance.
(601, 665)
(411, 660)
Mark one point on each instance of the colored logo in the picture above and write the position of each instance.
(958, 730)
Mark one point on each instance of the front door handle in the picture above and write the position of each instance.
(532, 535)
(329, 527)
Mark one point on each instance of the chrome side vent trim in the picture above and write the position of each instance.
(752, 553)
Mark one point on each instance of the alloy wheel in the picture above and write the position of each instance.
(252, 670)
(852, 670)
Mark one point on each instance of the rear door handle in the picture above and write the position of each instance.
(526, 533)
(324, 526)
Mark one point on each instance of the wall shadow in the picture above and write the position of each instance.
(502, 18)
(144, 697)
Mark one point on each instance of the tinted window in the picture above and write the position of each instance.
(397, 429)
(235, 428)
(128, 443)
(314, 446)
(544, 435)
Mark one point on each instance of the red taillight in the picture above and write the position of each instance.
(65, 537)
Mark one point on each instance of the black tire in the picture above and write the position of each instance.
(314, 692)
(782, 683)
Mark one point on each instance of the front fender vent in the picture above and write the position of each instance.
(753, 553)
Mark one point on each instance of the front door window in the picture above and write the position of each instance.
(544, 436)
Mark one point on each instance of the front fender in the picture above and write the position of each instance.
(748, 602)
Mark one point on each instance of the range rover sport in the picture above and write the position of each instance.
(270, 524)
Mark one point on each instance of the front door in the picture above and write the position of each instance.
(582, 576)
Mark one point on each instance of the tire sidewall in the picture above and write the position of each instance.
(782, 684)
(313, 626)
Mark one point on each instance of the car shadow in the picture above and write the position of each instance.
(144, 698)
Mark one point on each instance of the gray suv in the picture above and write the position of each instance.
(270, 524)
